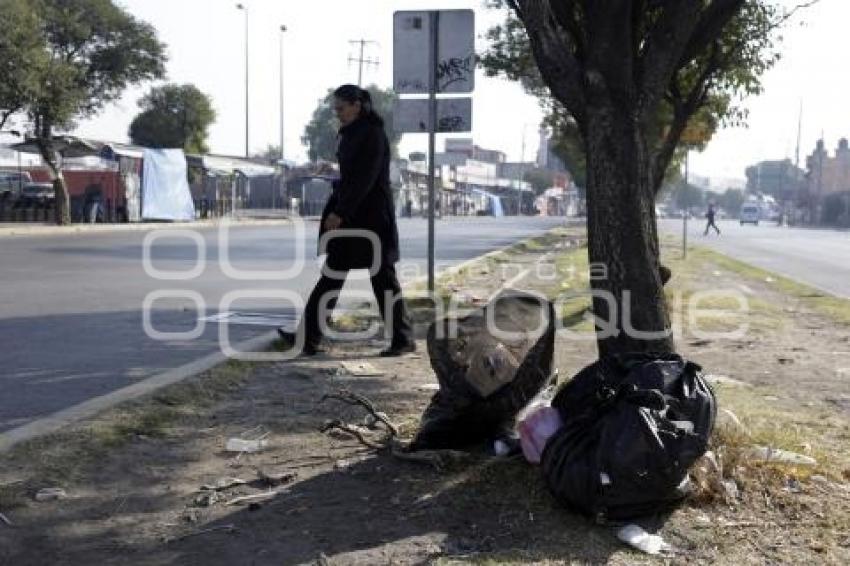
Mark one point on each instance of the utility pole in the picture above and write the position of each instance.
(687, 207)
(821, 151)
(244, 8)
(361, 60)
(797, 152)
(796, 191)
(282, 188)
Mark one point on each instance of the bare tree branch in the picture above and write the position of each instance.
(790, 14)
(610, 41)
(353, 431)
(684, 107)
(565, 15)
(711, 23)
(5, 115)
(665, 44)
(554, 51)
(356, 399)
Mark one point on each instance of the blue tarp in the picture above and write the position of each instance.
(495, 202)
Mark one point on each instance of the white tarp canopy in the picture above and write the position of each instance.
(165, 186)
(229, 165)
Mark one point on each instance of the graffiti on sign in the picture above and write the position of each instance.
(453, 70)
(414, 85)
(451, 124)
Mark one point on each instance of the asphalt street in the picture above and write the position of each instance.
(819, 258)
(71, 307)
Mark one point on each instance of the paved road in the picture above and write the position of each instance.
(71, 323)
(820, 258)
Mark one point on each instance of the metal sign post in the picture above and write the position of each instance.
(687, 211)
(433, 52)
(447, 38)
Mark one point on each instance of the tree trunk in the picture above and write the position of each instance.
(62, 205)
(629, 298)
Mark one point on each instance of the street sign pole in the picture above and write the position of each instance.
(428, 63)
(687, 209)
(434, 20)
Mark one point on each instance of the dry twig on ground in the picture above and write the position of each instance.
(356, 399)
(353, 431)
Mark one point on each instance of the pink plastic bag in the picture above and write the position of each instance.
(535, 429)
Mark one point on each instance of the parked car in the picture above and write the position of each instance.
(11, 182)
(750, 213)
(37, 193)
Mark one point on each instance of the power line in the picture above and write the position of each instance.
(361, 60)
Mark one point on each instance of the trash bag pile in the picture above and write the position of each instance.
(615, 443)
(632, 427)
(489, 365)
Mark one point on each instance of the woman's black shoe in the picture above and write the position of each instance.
(289, 339)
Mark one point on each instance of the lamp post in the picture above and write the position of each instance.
(244, 8)
(282, 152)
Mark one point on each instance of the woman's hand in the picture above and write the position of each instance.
(332, 222)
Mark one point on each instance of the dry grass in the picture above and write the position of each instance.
(67, 457)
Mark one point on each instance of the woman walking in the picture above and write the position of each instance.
(361, 200)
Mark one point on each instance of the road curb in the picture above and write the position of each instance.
(59, 420)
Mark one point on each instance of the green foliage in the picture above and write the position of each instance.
(689, 196)
(67, 59)
(22, 57)
(540, 179)
(173, 116)
(96, 50)
(271, 154)
(731, 200)
(741, 55)
(836, 209)
(321, 132)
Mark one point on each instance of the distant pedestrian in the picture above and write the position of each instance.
(361, 200)
(710, 224)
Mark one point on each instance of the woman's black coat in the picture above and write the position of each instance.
(362, 197)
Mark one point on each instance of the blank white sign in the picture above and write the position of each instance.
(455, 56)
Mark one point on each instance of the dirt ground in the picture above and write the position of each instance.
(133, 477)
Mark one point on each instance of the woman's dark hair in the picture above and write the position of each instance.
(353, 93)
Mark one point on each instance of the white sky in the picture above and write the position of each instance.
(206, 47)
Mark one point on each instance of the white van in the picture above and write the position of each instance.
(750, 213)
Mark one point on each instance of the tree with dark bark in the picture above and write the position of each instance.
(630, 77)
(94, 49)
(173, 116)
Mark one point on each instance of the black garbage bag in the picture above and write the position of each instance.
(487, 371)
(633, 426)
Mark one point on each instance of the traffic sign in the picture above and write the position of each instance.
(411, 115)
(455, 51)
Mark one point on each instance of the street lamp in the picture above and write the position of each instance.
(244, 8)
(282, 153)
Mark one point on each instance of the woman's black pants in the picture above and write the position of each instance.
(387, 292)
